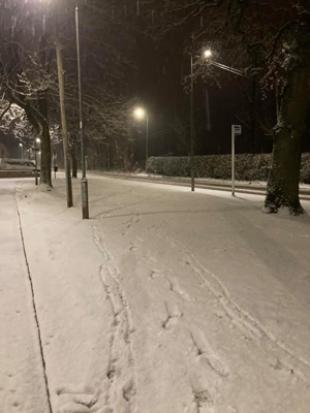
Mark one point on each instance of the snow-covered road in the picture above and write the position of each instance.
(166, 301)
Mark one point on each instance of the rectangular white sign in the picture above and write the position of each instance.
(237, 129)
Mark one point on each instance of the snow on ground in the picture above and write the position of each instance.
(166, 301)
(20, 364)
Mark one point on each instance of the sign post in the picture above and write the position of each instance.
(235, 131)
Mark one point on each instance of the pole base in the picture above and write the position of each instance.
(84, 198)
(192, 183)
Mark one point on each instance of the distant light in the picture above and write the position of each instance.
(20, 145)
(139, 113)
(207, 53)
(38, 140)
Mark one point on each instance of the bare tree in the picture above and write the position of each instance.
(24, 70)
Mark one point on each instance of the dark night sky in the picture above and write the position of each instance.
(155, 78)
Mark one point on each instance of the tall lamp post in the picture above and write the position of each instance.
(236, 129)
(36, 150)
(84, 182)
(21, 147)
(206, 54)
(141, 114)
(192, 127)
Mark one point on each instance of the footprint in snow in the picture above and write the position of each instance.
(72, 407)
(173, 315)
(176, 288)
(154, 274)
(129, 390)
(75, 402)
(207, 355)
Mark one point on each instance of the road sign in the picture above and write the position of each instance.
(236, 129)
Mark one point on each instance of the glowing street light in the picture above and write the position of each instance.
(140, 114)
(207, 53)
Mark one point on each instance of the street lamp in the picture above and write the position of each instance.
(236, 129)
(36, 150)
(207, 53)
(21, 146)
(192, 126)
(140, 114)
(84, 182)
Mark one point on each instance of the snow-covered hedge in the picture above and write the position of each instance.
(305, 168)
(248, 166)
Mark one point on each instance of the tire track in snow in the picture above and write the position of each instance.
(120, 370)
(242, 319)
(245, 322)
(35, 312)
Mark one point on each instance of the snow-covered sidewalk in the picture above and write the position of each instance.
(22, 387)
(166, 301)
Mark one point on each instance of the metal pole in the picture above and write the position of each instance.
(84, 182)
(147, 140)
(36, 164)
(233, 151)
(192, 130)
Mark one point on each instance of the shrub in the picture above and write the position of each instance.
(249, 167)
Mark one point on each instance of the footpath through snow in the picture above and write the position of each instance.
(166, 301)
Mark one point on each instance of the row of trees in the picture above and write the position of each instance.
(141, 49)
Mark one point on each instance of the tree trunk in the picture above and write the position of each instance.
(46, 155)
(61, 86)
(283, 184)
(74, 162)
(253, 113)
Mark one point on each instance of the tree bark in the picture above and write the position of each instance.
(283, 184)
(74, 162)
(46, 154)
(63, 117)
